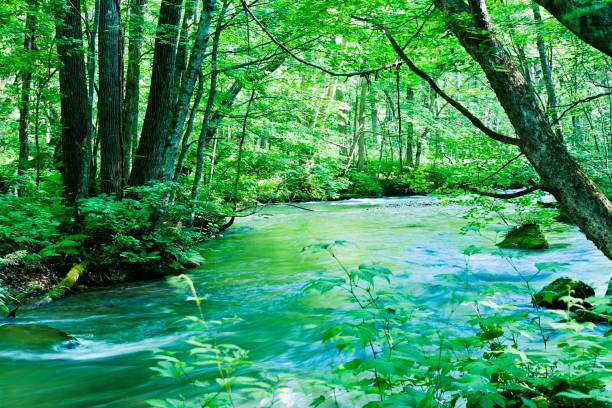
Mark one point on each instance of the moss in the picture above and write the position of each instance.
(67, 283)
(528, 236)
(551, 295)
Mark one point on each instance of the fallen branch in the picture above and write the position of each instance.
(65, 285)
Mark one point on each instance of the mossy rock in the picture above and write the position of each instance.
(528, 236)
(551, 295)
(34, 337)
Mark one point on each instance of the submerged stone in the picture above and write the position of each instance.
(528, 236)
(35, 336)
(551, 295)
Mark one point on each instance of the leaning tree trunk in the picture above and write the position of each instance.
(587, 206)
(181, 107)
(24, 105)
(74, 116)
(589, 20)
(212, 93)
(109, 101)
(150, 152)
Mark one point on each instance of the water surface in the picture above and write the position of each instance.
(256, 271)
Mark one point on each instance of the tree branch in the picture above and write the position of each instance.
(506, 196)
(502, 167)
(578, 102)
(475, 121)
(310, 64)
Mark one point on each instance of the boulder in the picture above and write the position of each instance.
(34, 337)
(550, 296)
(528, 236)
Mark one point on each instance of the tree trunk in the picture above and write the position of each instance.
(187, 87)
(150, 152)
(361, 124)
(181, 48)
(560, 174)
(546, 68)
(24, 105)
(132, 83)
(74, 107)
(409, 132)
(589, 20)
(185, 144)
(109, 100)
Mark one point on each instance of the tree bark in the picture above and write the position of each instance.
(74, 106)
(181, 48)
(90, 162)
(212, 93)
(181, 108)
(584, 202)
(132, 82)
(589, 20)
(109, 100)
(150, 152)
(185, 144)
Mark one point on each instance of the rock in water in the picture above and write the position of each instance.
(550, 296)
(34, 337)
(528, 236)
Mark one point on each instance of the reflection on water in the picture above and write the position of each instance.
(256, 272)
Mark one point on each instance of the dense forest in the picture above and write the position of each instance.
(141, 139)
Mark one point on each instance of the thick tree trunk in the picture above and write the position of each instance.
(181, 108)
(109, 102)
(74, 107)
(132, 83)
(560, 174)
(150, 152)
(589, 20)
(24, 105)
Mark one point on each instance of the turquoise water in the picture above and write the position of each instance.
(256, 271)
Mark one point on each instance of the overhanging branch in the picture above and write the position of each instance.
(475, 121)
(506, 196)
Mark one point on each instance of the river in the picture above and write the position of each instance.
(256, 271)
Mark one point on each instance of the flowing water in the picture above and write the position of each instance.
(256, 271)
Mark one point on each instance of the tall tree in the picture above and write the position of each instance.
(109, 101)
(149, 155)
(132, 82)
(24, 105)
(74, 111)
(546, 67)
(187, 88)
